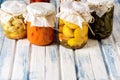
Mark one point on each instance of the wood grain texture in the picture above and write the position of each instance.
(37, 63)
(90, 64)
(116, 22)
(7, 59)
(83, 64)
(111, 59)
(98, 66)
(67, 64)
(21, 61)
(1, 39)
(52, 63)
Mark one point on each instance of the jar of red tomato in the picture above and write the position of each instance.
(40, 23)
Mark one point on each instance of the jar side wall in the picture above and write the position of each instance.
(40, 35)
(71, 35)
(102, 27)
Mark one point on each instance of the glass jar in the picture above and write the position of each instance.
(40, 23)
(71, 35)
(12, 19)
(103, 24)
(73, 29)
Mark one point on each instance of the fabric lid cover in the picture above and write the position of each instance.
(14, 7)
(75, 12)
(40, 8)
(41, 14)
(100, 6)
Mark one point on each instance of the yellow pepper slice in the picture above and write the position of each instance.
(75, 42)
(71, 25)
(61, 22)
(67, 31)
(61, 28)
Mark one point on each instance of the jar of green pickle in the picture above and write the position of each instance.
(102, 11)
(73, 24)
(12, 20)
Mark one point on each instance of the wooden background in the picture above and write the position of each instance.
(98, 60)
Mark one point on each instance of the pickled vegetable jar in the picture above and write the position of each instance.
(73, 24)
(103, 15)
(40, 23)
(12, 19)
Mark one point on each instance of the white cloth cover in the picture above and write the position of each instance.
(75, 12)
(10, 9)
(41, 14)
(100, 6)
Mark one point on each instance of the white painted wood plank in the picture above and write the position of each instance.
(116, 23)
(27, 1)
(118, 48)
(1, 38)
(21, 62)
(37, 63)
(52, 63)
(83, 64)
(98, 65)
(6, 59)
(111, 60)
(67, 64)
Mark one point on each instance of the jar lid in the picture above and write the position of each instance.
(100, 6)
(40, 8)
(75, 12)
(74, 7)
(100, 2)
(14, 7)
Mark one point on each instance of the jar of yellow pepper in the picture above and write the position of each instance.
(73, 24)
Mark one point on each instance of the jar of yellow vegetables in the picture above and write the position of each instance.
(73, 24)
(12, 19)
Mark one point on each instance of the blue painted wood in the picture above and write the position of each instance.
(67, 64)
(84, 69)
(21, 61)
(7, 59)
(96, 58)
(52, 63)
(90, 64)
(111, 60)
(37, 63)
(1, 39)
(1, 1)
(116, 23)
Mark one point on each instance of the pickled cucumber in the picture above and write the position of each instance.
(102, 26)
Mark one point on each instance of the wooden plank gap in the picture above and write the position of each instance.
(111, 60)
(52, 64)
(96, 58)
(7, 59)
(21, 62)
(67, 64)
(37, 64)
(83, 64)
